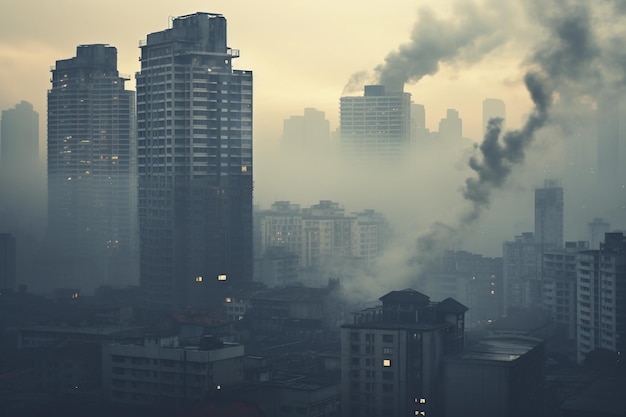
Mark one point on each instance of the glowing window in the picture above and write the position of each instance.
(422, 400)
(228, 300)
(198, 279)
(221, 277)
(244, 168)
(386, 362)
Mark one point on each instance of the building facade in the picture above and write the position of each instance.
(164, 372)
(194, 115)
(91, 171)
(559, 287)
(549, 216)
(498, 377)
(521, 272)
(392, 355)
(375, 126)
(601, 303)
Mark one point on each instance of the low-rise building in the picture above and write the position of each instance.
(498, 377)
(162, 371)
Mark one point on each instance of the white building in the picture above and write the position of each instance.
(375, 126)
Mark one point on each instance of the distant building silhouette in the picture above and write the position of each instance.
(194, 114)
(549, 215)
(19, 140)
(375, 127)
(22, 174)
(307, 133)
(419, 132)
(596, 231)
(493, 108)
(91, 171)
(451, 128)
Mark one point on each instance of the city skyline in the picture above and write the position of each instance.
(29, 44)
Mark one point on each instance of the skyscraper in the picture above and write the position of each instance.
(376, 126)
(22, 176)
(601, 303)
(194, 116)
(549, 216)
(91, 171)
(493, 108)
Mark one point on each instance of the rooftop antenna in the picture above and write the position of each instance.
(170, 19)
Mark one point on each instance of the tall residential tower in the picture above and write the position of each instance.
(376, 126)
(91, 171)
(194, 118)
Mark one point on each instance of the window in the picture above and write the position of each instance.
(387, 351)
(221, 277)
(386, 363)
(388, 338)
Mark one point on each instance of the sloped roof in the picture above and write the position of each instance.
(407, 295)
(450, 305)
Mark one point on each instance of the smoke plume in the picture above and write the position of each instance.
(574, 59)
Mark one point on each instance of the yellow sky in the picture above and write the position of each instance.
(302, 52)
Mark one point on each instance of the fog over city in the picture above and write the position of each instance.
(221, 212)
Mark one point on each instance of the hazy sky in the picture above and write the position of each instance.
(302, 52)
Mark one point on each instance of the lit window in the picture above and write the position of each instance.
(386, 362)
(221, 277)
(422, 400)
(198, 279)
(492, 292)
(244, 168)
(228, 300)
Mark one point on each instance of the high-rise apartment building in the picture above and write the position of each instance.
(549, 216)
(493, 108)
(601, 299)
(392, 355)
(376, 126)
(559, 286)
(91, 170)
(194, 117)
(520, 272)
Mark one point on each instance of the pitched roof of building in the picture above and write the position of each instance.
(450, 305)
(407, 295)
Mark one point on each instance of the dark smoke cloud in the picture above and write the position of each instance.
(474, 31)
(578, 57)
